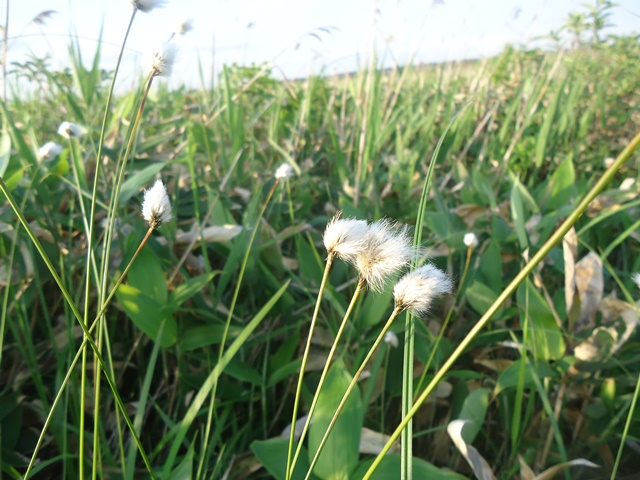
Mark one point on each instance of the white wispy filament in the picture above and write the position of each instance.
(284, 171)
(387, 250)
(470, 240)
(70, 130)
(156, 208)
(416, 290)
(636, 278)
(344, 238)
(160, 60)
(147, 5)
(49, 151)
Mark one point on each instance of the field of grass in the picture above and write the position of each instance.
(199, 349)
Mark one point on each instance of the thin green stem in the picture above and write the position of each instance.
(303, 365)
(555, 238)
(352, 384)
(79, 352)
(94, 197)
(407, 397)
(325, 370)
(625, 432)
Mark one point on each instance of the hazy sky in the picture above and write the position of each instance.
(299, 36)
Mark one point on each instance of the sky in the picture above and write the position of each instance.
(298, 37)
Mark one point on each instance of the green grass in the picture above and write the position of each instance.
(529, 135)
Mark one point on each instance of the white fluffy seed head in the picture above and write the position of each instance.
(416, 290)
(391, 339)
(156, 208)
(344, 238)
(49, 151)
(70, 130)
(160, 60)
(636, 278)
(284, 171)
(470, 240)
(184, 26)
(147, 5)
(387, 250)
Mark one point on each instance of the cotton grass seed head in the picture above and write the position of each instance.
(391, 339)
(470, 240)
(49, 151)
(344, 238)
(387, 250)
(160, 60)
(156, 208)
(636, 278)
(416, 290)
(147, 5)
(70, 130)
(184, 26)
(284, 171)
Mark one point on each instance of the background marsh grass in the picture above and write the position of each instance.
(532, 140)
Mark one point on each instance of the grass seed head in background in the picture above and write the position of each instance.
(344, 238)
(161, 59)
(416, 290)
(156, 208)
(470, 240)
(636, 278)
(284, 171)
(70, 130)
(387, 250)
(147, 5)
(183, 26)
(49, 151)
(391, 339)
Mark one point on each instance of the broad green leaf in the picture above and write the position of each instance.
(205, 335)
(374, 309)
(146, 274)
(272, 454)
(544, 333)
(389, 469)
(340, 454)
(562, 185)
(243, 372)
(510, 376)
(147, 314)
(490, 268)
(140, 179)
(5, 151)
(188, 289)
(184, 471)
(518, 214)
(481, 297)
(474, 409)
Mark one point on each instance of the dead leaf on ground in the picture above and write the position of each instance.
(590, 286)
(478, 464)
(527, 474)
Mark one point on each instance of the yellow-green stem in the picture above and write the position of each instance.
(303, 365)
(445, 324)
(94, 197)
(352, 384)
(356, 294)
(556, 237)
(79, 352)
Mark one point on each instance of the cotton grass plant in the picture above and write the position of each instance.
(156, 210)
